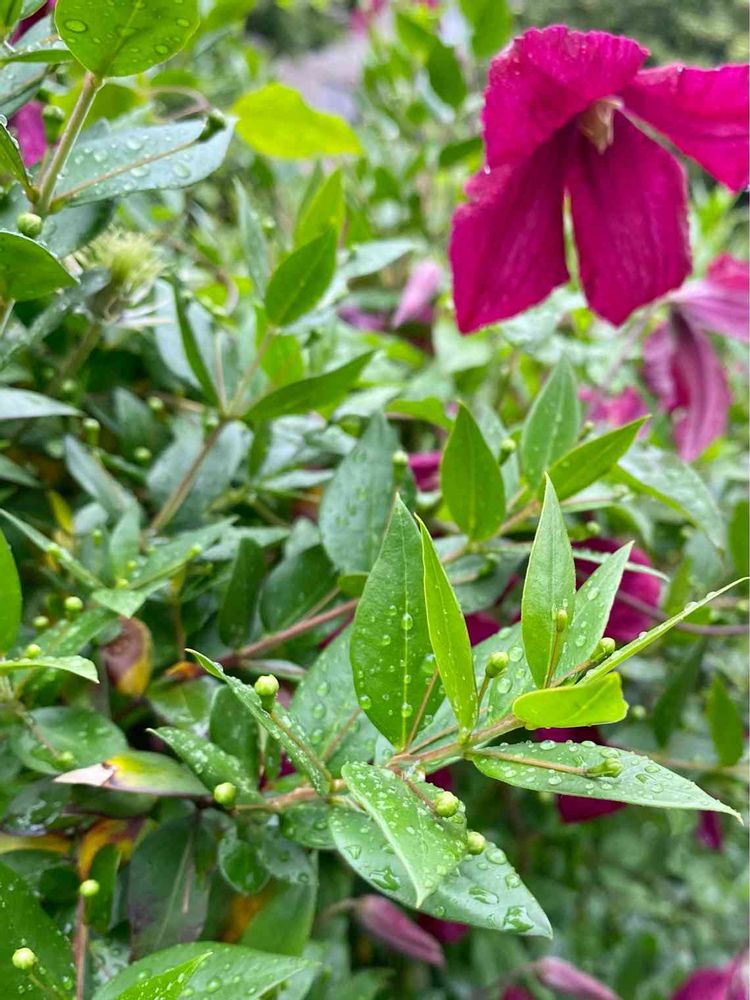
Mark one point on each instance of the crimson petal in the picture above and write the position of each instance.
(544, 78)
(629, 206)
(507, 248)
(704, 112)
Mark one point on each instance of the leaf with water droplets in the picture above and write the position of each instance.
(168, 985)
(552, 424)
(390, 648)
(471, 480)
(561, 768)
(549, 589)
(449, 637)
(60, 737)
(114, 164)
(482, 890)
(28, 270)
(77, 665)
(229, 971)
(590, 703)
(591, 460)
(326, 705)
(429, 847)
(138, 771)
(209, 763)
(10, 156)
(123, 37)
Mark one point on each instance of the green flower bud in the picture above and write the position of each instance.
(400, 459)
(608, 768)
(225, 793)
(40, 623)
(51, 113)
(638, 712)
(210, 421)
(266, 687)
(68, 388)
(195, 550)
(32, 651)
(23, 959)
(91, 428)
(606, 647)
(507, 447)
(88, 888)
(561, 620)
(121, 583)
(29, 224)
(155, 404)
(496, 664)
(475, 842)
(66, 759)
(592, 529)
(446, 805)
(131, 565)
(97, 536)
(73, 607)
(142, 455)
(215, 122)
(54, 551)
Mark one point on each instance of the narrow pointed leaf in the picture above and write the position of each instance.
(591, 460)
(552, 425)
(10, 597)
(299, 281)
(725, 722)
(241, 596)
(471, 480)
(315, 393)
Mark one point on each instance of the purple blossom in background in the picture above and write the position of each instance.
(729, 982)
(625, 622)
(516, 993)
(557, 974)
(421, 288)
(616, 410)
(681, 366)
(480, 626)
(562, 116)
(709, 832)
(29, 128)
(425, 467)
(389, 924)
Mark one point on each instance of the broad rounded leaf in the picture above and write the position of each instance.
(28, 270)
(85, 737)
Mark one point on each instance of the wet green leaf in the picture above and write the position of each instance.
(552, 425)
(471, 481)
(59, 738)
(28, 270)
(11, 602)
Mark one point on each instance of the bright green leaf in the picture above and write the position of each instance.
(315, 393)
(11, 602)
(552, 425)
(471, 480)
(591, 460)
(28, 270)
(725, 722)
(301, 279)
(590, 703)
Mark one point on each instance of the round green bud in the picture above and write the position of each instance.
(155, 404)
(266, 686)
(268, 224)
(400, 459)
(606, 646)
(593, 529)
(588, 426)
(508, 446)
(32, 651)
(215, 122)
(446, 805)
(23, 959)
(225, 793)
(51, 113)
(210, 421)
(88, 888)
(65, 759)
(195, 550)
(68, 388)
(496, 664)
(608, 768)
(142, 455)
(121, 583)
(475, 842)
(40, 623)
(638, 712)
(73, 606)
(561, 620)
(29, 224)
(545, 796)
(131, 565)
(97, 536)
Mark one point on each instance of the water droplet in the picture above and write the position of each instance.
(407, 622)
(76, 26)
(515, 653)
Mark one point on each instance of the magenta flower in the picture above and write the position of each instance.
(425, 467)
(29, 128)
(615, 410)
(562, 976)
(389, 924)
(419, 292)
(480, 626)
(681, 366)
(516, 993)
(446, 931)
(708, 831)
(625, 622)
(728, 982)
(562, 116)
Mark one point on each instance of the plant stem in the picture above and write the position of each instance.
(423, 706)
(70, 133)
(180, 492)
(532, 762)
(80, 940)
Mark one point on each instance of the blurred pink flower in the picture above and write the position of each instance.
(421, 288)
(708, 831)
(389, 924)
(480, 627)
(29, 128)
(425, 466)
(681, 366)
(625, 622)
(362, 320)
(516, 993)
(557, 974)
(446, 931)
(728, 982)
(577, 808)
(562, 116)
(615, 410)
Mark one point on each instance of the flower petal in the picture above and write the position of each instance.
(562, 976)
(546, 77)
(720, 302)
(629, 206)
(704, 112)
(29, 126)
(702, 392)
(421, 288)
(507, 248)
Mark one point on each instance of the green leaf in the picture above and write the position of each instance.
(168, 886)
(167, 985)
(11, 601)
(315, 393)
(482, 890)
(233, 730)
(72, 565)
(294, 586)
(10, 11)
(11, 161)
(282, 726)
(641, 781)
(326, 706)
(145, 158)
(667, 478)
(591, 460)
(427, 846)
(357, 502)
(238, 605)
(446, 77)
(94, 479)
(192, 351)
(240, 862)
(275, 121)
(725, 722)
(642, 641)
(253, 240)
(123, 38)
(285, 921)
(301, 279)
(391, 653)
(65, 637)
(140, 772)
(209, 763)
(549, 588)
(244, 974)
(491, 22)
(20, 404)
(552, 425)
(448, 637)
(325, 210)
(23, 923)
(593, 604)
(85, 737)
(68, 664)
(471, 480)
(28, 270)
(589, 703)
